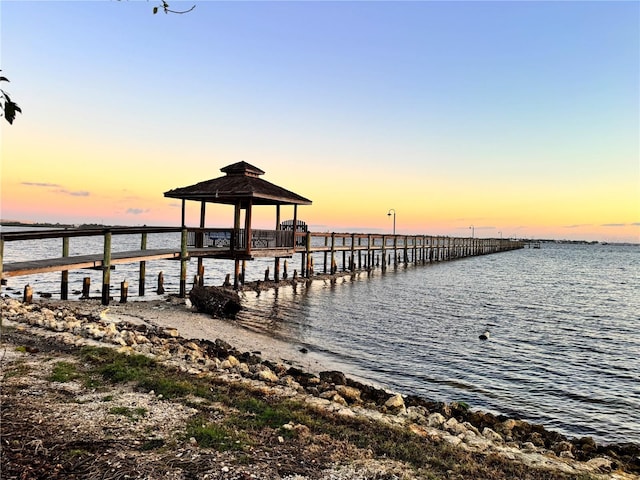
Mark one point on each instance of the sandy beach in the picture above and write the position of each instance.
(190, 324)
(207, 357)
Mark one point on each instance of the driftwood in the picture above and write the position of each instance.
(216, 301)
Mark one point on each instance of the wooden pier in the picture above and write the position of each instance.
(242, 188)
(338, 252)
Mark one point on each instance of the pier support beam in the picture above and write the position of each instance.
(106, 268)
(143, 267)
(183, 264)
(64, 280)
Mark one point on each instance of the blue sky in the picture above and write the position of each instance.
(519, 116)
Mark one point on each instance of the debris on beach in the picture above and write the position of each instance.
(216, 301)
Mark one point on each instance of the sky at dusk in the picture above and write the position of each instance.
(521, 119)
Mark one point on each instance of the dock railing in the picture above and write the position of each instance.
(358, 251)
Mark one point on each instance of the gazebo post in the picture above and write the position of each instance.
(182, 223)
(276, 266)
(234, 243)
(200, 242)
(247, 226)
(295, 224)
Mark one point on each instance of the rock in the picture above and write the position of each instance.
(171, 332)
(337, 398)
(233, 361)
(289, 381)
(266, 375)
(110, 330)
(243, 368)
(216, 301)
(600, 463)
(351, 394)
(335, 377)
(416, 415)
(395, 403)
(563, 446)
(470, 428)
(492, 435)
(452, 425)
(436, 420)
(328, 394)
(536, 439)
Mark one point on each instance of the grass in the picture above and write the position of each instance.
(251, 415)
(63, 372)
(131, 413)
(213, 435)
(19, 370)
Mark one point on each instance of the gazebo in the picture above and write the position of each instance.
(243, 188)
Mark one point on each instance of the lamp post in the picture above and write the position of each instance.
(394, 219)
(472, 228)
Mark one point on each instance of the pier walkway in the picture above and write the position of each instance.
(338, 252)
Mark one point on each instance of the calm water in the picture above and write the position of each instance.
(564, 348)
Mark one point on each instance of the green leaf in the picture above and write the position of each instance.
(155, 10)
(10, 108)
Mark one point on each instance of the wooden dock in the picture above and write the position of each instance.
(340, 252)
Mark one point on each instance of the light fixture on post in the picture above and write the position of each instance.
(394, 219)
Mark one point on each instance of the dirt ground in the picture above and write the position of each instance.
(61, 420)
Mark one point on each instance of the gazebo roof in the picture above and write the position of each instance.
(241, 183)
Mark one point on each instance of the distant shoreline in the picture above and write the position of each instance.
(16, 223)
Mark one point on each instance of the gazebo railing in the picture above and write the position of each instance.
(222, 238)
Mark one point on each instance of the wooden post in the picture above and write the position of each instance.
(243, 272)
(227, 280)
(86, 287)
(276, 270)
(201, 275)
(1, 261)
(124, 290)
(309, 257)
(395, 253)
(106, 268)
(266, 275)
(200, 238)
(326, 244)
(143, 267)
(160, 289)
(28, 294)
(383, 253)
(247, 226)
(334, 267)
(236, 274)
(183, 263)
(405, 250)
(352, 257)
(285, 273)
(64, 280)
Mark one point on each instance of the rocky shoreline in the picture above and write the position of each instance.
(74, 324)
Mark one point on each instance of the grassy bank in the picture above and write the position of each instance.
(91, 412)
